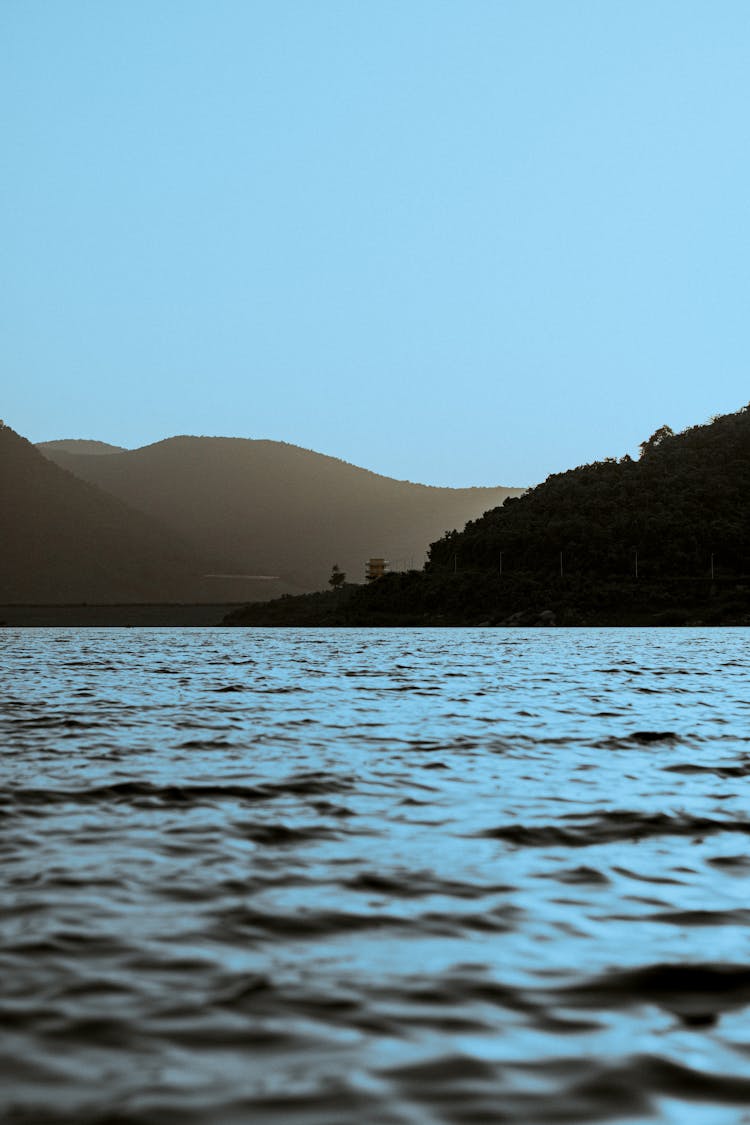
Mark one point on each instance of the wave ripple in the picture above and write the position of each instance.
(388, 877)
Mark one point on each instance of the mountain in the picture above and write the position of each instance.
(266, 507)
(78, 445)
(66, 541)
(661, 540)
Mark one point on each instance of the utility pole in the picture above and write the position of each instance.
(501, 562)
(636, 562)
(712, 566)
(561, 564)
(455, 562)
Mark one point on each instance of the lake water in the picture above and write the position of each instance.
(386, 876)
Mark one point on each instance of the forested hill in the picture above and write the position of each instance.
(630, 541)
(686, 498)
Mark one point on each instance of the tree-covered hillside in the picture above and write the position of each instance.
(662, 539)
(686, 498)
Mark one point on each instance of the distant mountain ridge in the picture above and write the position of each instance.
(264, 507)
(78, 445)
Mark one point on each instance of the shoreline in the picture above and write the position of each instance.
(83, 615)
(327, 611)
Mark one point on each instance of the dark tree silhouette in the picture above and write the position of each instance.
(337, 579)
(656, 440)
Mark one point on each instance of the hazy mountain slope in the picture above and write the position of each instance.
(78, 445)
(269, 507)
(66, 541)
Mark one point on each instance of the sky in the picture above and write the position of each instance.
(459, 242)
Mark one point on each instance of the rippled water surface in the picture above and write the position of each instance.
(392, 877)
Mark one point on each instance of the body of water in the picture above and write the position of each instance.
(384, 877)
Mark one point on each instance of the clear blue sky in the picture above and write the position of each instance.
(462, 242)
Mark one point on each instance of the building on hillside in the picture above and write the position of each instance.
(375, 568)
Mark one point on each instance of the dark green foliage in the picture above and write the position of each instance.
(686, 498)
